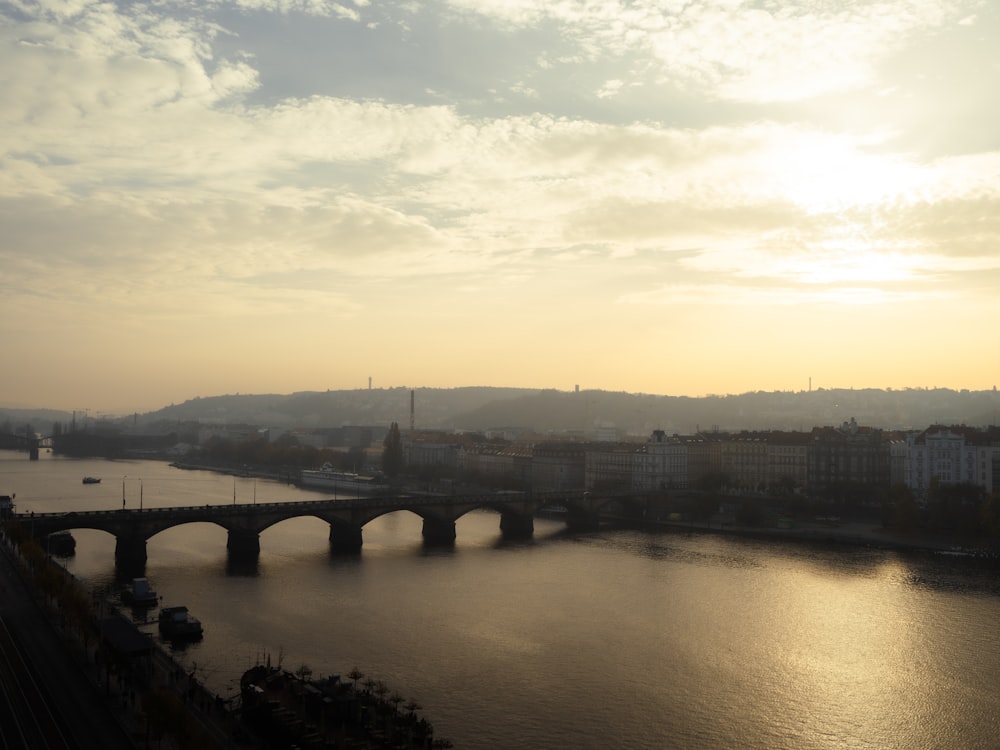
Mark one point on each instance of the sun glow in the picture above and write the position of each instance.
(828, 174)
(851, 266)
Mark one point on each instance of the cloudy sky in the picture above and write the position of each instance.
(265, 196)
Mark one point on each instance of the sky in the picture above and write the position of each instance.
(653, 196)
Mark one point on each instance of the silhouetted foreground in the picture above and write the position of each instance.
(291, 711)
(111, 684)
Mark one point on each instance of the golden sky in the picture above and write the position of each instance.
(269, 196)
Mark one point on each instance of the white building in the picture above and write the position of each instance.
(952, 455)
(662, 464)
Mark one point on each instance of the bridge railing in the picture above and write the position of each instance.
(411, 500)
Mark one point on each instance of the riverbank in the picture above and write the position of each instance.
(88, 644)
(827, 530)
(279, 475)
(85, 647)
(844, 533)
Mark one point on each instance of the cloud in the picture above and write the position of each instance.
(737, 296)
(735, 49)
(161, 140)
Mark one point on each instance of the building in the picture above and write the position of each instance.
(953, 455)
(787, 460)
(508, 465)
(558, 465)
(847, 455)
(662, 463)
(610, 466)
(744, 461)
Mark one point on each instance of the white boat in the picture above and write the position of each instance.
(328, 478)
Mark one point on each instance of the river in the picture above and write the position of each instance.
(608, 639)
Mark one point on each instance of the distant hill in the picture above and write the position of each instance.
(434, 408)
(40, 420)
(582, 413)
(484, 408)
(640, 414)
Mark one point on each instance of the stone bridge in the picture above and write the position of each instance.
(347, 517)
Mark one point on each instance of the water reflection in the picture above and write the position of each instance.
(941, 573)
(238, 567)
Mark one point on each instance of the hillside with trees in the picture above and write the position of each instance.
(573, 412)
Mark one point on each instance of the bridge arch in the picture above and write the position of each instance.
(347, 517)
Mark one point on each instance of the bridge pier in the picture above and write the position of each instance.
(578, 519)
(130, 551)
(517, 525)
(243, 544)
(345, 538)
(438, 531)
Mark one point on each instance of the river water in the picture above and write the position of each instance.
(611, 639)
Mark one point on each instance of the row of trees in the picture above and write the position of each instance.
(284, 453)
(288, 453)
(950, 509)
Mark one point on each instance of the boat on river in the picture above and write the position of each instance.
(60, 543)
(140, 594)
(91, 480)
(176, 624)
(328, 478)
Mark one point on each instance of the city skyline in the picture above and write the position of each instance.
(271, 197)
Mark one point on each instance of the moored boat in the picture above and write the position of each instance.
(91, 480)
(341, 481)
(140, 594)
(176, 623)
(60, 543)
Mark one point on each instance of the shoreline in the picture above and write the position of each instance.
(857, 534)
(844, 533)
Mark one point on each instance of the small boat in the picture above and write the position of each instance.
(91, 480)
(60, 543)
(139, 594)
(176, 623)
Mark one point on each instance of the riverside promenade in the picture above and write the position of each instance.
(118, 689)
(103, 707)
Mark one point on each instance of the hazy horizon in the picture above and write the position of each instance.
(817, 389)
(722, 197)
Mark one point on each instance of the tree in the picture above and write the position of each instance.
(392, 452)
(355, 674)
(990, 515)
(900, 508)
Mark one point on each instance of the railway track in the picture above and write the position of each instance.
(27, 716)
